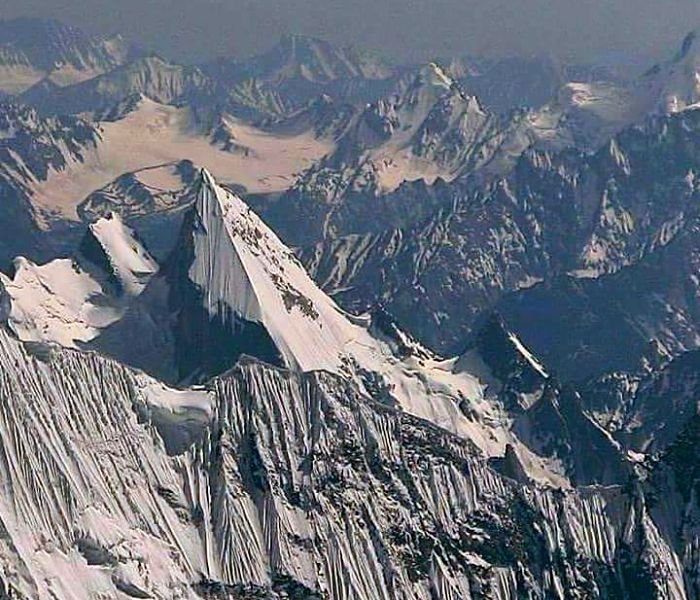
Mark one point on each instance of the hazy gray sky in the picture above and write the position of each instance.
(403, 29)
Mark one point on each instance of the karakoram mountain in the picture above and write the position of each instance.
(313, 325)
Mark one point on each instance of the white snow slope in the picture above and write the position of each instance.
(69, 301)
(275, 477)
(155, 134)
(245, 273)
(113, 485)
(241, 264)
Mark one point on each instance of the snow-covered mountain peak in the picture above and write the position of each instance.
(69, 301)
(39, 51)
(126, 258)
(231, 288)
(675, 84)
(425, 86)
(588, 113)
(236, 289)
(317, 60)
(244, 272)
(150, 75)
(426, 128)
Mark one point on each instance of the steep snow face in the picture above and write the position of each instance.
(129, 262)
(272, 484)
(70, 301)
(91, 505)
(232, 288)
(397, 483)
(241, 266)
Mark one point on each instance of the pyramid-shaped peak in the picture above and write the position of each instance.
(240, 273)
(318, 60)
(430, 82)
(206, 179)
(222, 213)
(152, 62)
(301, 41)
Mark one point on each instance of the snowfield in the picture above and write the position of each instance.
(156, 134)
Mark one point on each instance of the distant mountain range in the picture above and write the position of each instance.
(48, 53)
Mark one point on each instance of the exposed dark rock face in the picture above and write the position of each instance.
(612, 236)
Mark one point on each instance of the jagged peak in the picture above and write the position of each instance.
(299, 40)
(207, 179)
(244, 272)
(319, 60)
(294, 43)
(433, 82)
(152, 62)
(49, 44)
(245, 278)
